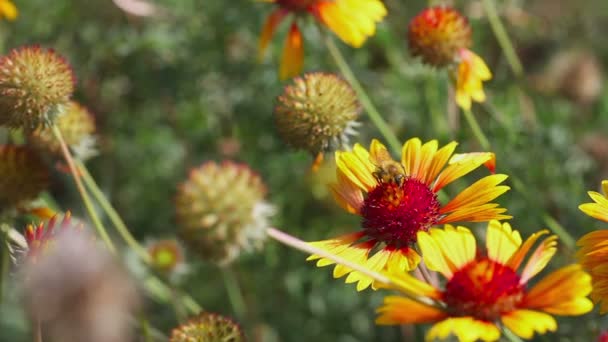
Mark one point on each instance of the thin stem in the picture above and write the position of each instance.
(380, 278)
(37, 330)
(116, 220)
(479, 135)
(510, 335)
(503, 38)
(163, 292)
(371, 110)
(235, 295)
(81, 189)
(4, 263)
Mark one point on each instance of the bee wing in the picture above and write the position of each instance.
(379, 154)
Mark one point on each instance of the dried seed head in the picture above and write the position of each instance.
(221, 211)
(437, 34)
(77, 126)
(208, 327)
(23, 175)
(317, 112)
(34, 85)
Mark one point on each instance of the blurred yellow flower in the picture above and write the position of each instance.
(351, 20)
(8, 10)
(472, 71)
(398, 200)
(593, 252)
(485, 290)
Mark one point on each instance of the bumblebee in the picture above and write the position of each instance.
(387, 170)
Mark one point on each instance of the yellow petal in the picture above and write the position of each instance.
(440, 158)
(402, 310)
(447, 250)
(520, 254)
(466, 329)
(460, 165)
(524, 323)
(351, 20)
(479, 193)
(562, 292)
(8, 10)
(539, 259)
(292, 59)
(347, 194)
(501, 241)
(410, 156)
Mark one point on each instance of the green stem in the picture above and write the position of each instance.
(116, 220)
(235, 295)
(163, 293)
(432, 99)
(503, 38)
(4, 263)
(371, 110)
(472, 121)
(81, 189)
(510, 335)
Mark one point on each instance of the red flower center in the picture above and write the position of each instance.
(296, 5)
(483, 289)
(393, 213)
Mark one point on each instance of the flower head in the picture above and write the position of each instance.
(34, 84)
(8, 10)
(593, 253)
(42, 237)
(24, 175)
(166, 255)
(483, 290)
(441, 36)
(351, 20)
(77, 126)
(317, 112)
(221, 211)
(398, 200)
(208, 327)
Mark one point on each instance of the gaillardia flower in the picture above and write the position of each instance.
(39, 238)
(398, 200)
(166, 255)
(317, 113)
(208, 327)
(8, 10)
(593, 252)
(77, 127)
(351, 20)
(221, 210)
(35, 84)
(485, 290)
(441, 36)
(24, 175)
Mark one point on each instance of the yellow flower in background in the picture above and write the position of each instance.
(8, 10)
(398, 200)
(441, 37)
(353, 21)
(593, 252)
(484, 291)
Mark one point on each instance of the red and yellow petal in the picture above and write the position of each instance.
(402, 310)
(447, 250)
(268, 30)
(466, 329)
(562, 292)
(524, 323)
(539, 259)
(292, 59)
(472, 71)
(357, 167)
(518, 257)
(599, 209)
(347, 194)
(502, 242)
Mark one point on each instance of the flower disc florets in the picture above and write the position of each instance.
(221, 211)
(208, 327)
(77, 127)
(484, 289)
(437, 34)
(394, 213)
(23, 175)
(317, 112)
(34, 84)
(296, 5)
(166, 255)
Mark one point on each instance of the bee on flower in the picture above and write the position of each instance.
(483, 291)
(353, 21)
(441, 37)
(396, 200)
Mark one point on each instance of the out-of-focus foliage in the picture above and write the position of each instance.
(171, 91)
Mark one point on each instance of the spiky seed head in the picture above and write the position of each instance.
(23, 175)
(221, 211)
(166, 255)
(34, 85)
(437, 34)
(77, 125)
(208, 327)
(317, 112)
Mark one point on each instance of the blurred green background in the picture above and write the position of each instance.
(171, 91)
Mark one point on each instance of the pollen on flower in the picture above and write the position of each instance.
(483, 289)
(393, 213)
